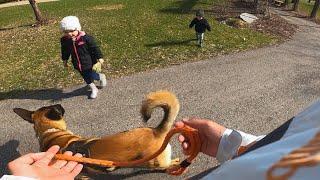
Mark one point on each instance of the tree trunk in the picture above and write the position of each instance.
(296, 4)
(256, 5)
(315, 9)
(286, 3)
(36, 11)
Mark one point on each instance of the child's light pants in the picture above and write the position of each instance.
(200, 37)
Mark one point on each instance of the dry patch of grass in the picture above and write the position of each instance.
(108, 7)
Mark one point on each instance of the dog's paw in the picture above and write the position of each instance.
(175, 161)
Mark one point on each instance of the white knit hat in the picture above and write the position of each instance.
(70, 23)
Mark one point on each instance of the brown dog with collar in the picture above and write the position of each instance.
(51, 129)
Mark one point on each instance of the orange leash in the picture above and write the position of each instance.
(194, 148)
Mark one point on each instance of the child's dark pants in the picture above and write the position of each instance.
(89, 76)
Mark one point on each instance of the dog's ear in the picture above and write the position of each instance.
(25, 114)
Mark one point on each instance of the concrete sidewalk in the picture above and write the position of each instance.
(254, 91)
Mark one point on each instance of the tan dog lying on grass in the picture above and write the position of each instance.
(51, 129)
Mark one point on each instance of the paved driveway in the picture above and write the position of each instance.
(254, 91)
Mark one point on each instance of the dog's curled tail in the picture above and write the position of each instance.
(168, 102)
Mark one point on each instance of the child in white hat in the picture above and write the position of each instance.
(85, 54)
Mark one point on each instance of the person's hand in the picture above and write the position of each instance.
(97, 66)
(41, 166)
(210, 134)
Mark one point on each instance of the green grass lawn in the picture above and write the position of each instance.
(134, 36)
(307, 7)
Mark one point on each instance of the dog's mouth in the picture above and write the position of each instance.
(55, 112)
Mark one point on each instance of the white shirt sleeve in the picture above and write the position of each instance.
(230, 142)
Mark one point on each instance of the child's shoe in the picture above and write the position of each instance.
(103, 80)
(94, 91)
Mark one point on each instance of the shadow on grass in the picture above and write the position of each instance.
(171, 43)
(8, 152)
(44, 94)
(10, 28)
(181, 7)
(113, 175)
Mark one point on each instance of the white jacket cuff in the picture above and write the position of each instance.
(230, 142)
(12, 177)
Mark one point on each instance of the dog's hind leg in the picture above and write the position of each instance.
(175, 162)
(164, 159)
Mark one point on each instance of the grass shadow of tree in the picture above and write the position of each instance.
(44, 94)
(21, 26)
(183, 7)
(8, 152)
(180, 7)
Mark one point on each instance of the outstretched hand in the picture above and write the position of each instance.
(210, 134)
(42, 166)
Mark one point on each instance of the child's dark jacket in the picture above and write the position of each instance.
(200, 25)
(84, 51)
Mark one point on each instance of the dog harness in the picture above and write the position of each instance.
(191, 152)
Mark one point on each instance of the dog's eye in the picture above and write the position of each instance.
(53, 114)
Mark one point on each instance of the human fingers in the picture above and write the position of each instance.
(184, 143)
(197, 123)
(46, 159)
(76, 170)
(27, 159)
(61, 163)
(181, 138)
(53, 149)
(71, 164)
(192, 122)
(179, 124)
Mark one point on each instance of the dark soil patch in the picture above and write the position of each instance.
(267, 23)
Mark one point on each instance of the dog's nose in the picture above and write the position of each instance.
(55, 112)
(59, 109)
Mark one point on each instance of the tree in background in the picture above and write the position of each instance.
(286, 3)
(37, 13)
(295, 5)
(315, 9)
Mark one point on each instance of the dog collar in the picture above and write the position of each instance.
(40, 136)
